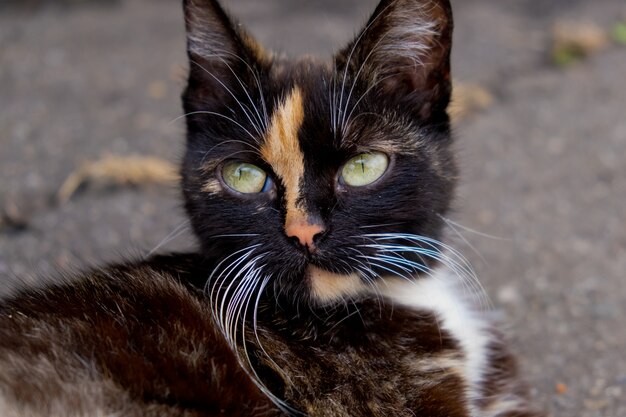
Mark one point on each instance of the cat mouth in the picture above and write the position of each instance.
(327, 287)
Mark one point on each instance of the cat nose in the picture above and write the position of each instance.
(305, 231)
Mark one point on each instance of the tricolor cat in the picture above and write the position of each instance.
(318, 191)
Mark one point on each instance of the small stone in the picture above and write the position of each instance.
(595, 404)
(509, 294)
(561, 388)
(157, 90)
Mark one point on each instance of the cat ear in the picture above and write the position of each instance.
(221, 55)
(403, 54)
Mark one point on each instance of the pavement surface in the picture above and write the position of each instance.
(544, 172)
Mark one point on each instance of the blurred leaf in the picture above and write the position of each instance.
(574, 41)
(467, 99)
(618, 33)
(563, 57)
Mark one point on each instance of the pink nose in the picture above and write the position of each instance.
(304, 231)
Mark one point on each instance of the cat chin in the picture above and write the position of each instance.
(329, 287)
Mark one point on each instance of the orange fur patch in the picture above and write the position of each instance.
(260, 53)
(282, 151)
(327, 286)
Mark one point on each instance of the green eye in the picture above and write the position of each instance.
(245, 178)
(364, 169)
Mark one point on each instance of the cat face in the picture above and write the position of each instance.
(317, 179)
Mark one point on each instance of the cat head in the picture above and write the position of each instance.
(316, 180)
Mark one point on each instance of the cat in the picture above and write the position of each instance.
(318, 192)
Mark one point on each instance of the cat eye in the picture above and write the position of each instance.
(245, 178)
(364, 169)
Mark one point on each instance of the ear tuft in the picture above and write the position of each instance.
(224, 61)
(404, 50)
(210, 32)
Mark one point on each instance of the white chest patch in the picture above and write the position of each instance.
(441, 294)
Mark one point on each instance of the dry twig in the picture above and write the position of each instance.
(119, 170)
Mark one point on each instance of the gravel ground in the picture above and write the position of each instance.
(544, 171)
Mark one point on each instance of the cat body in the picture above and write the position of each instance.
(321, 287)
(141, 340)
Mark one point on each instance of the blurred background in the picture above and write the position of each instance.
(89, 96)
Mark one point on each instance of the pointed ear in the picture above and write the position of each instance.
(222, 57)
(403, 55)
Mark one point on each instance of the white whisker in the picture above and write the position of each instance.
(262, 121)
(212, 113)
(235, 235)
(223, 311)
(391, 253)
(180, 229)
(353, 49)
(346, 122)
(231, 265)
(372, 226)
(231, 293)
(474, 231)
(257, 80)
(254, 147)
(243, 107)
(354, 83)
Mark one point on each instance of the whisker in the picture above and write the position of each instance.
(434, 254)
(332, 98)
(430, 248)
(356, 43)
(205, 154)
(255, 377)
(233, 309)
(460, 235)
(223, 310)
(474, 231)
(371, 226)
(212, 113)
(233, 265)
(346, 317)
(367, 268)
(432, 243)
(255, 328)
(371, 260)
(257, 80)
(234, 235)
(180, 229)
(346, 120)
(243, 107)
(356, 79)
(232, 290)
(243, 87)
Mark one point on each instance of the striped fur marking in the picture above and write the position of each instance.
(282, 151)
